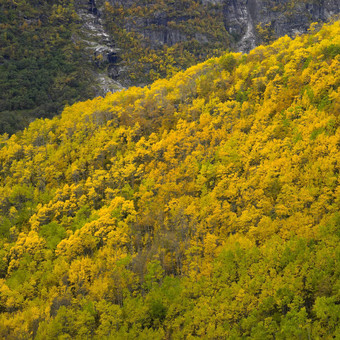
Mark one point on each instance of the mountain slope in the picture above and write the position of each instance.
(54, 53)
(206, 205)
(47, 60)
(158, 38)
(41, 67)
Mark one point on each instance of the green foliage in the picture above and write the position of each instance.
(53, 233)
(228, 62)
(331, 51)
(41, 69)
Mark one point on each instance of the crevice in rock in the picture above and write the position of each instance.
(102, 53)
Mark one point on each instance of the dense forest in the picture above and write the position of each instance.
(57, 52)
(205, 205)
(42, 69)
(45, 63)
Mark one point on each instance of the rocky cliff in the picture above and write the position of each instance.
(242, 19)
(253, 22)
(154, 31)
(100, 47)
(57, 52)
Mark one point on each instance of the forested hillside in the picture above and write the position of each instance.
(158, 38)
(54, 53)
(202, 206)
(42, 67)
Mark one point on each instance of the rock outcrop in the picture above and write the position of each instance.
(101, 48)
(252, 22)
(243, 19)
(243, 25)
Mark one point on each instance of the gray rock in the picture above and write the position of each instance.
(102, 52)
(241, 19)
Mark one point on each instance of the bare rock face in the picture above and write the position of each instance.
(239, 21)
(100, 46)
(252, 22)
(246, 24)
(243, 19)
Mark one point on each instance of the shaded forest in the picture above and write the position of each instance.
(55, 53)
(42, 67)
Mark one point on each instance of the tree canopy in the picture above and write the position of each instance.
(202, 206)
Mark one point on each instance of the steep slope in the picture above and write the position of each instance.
(206, 205)
(41, 68)
(99, 46)
(160, 37)
(48, 58)
(53, 53)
